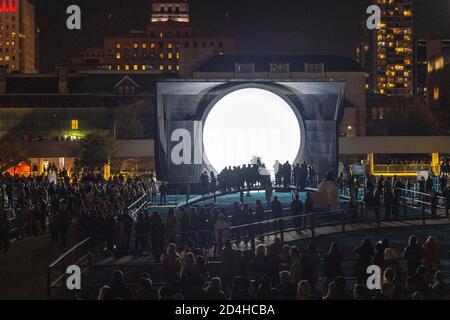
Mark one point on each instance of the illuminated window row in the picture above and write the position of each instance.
(169, 55)
(143, 67)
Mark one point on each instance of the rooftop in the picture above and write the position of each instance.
(332, 63)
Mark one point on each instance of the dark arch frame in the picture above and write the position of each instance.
(252, 85)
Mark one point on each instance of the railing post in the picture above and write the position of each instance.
(281, 230)
(188, 190)
(343, 221)
(361, 212)
(423, 214)
(313, 231)
(446, 207)
(404, 209)
(196, 239)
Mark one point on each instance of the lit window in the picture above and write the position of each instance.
(169, 55)
(118, 55)
(161, 55)
(74, 124)
(161, 34)
(407, 13)
(439, 63)
(169, 67)
(118, 46)
(161, 67)
(436, 94)
(127, 67)
(143, 67)
(135, 67)
(178, 67)
(135, 45)
(178, 55)
(118, 67)
(152, 45)
(169, 45)
(144, 45)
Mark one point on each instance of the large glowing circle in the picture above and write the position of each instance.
(249, 123)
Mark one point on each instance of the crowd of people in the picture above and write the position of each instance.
(289, 272)
(34, 206)
(300, 175)
(207, 227)
(389, 193)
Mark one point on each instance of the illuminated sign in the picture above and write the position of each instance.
(8, 6)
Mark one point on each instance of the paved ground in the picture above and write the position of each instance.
(23, 268)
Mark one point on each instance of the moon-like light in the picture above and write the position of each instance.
(250, 123)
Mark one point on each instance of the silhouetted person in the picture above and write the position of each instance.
(297, 210)
(277, 212)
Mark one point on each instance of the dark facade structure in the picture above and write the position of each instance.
(182, 107)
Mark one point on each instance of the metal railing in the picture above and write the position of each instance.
(214, 239)
(81, 254)
(400, 168)
(403, 210)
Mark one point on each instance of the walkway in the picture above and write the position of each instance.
(22, 271)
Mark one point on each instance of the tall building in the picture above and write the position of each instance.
(388, 54)
(438, 78)
(17, 36)
(168, 45)
(426, 50)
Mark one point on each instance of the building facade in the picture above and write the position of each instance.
(299, 68)
(50, 113)
(438, 81)
(426, 50)
(168, 45)
(17, 36)
(388, 53)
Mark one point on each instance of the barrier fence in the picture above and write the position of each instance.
(81, 254)
(414, 205)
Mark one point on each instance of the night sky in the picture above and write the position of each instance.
(260, 26)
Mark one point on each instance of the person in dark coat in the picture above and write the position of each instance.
(261, 264)
(185, 225)
(379, 255)
(229, 265)
(243, 293)
(332, 264)
(5, 232)
(157, 236)
(118, 289)
(277, 212)
(413, 255)
(297, 210)
(365, 253)
(265, 290)
(63, 223)
(286, 288)
(309, 208)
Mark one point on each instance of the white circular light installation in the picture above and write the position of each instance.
(249, 123)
